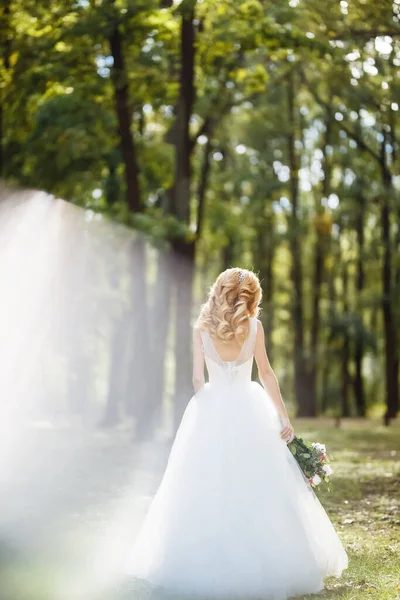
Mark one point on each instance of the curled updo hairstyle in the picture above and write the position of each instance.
(234, 297)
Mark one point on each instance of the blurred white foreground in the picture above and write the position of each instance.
(87, 411)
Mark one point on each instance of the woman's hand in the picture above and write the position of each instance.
(287, 431)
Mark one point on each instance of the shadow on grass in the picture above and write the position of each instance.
(360, 493)
(329, 594)
(359, 436)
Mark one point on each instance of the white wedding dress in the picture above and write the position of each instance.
(234, 517)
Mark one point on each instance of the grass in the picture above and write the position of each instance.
(364, 505)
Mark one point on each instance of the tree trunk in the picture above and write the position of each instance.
(180, 207)
(269, 301)
(183, 146)
(119, 79)
(305, 404)
(396, 291)
(140, 371)
(359, 391)
(183, 278)
(159, 328)
(112, 180)
(203, 182)
(327, 366)
(345, 408)
(227, 253)
(389, 321)
(265, 249)
(318, 276)
(324, 385)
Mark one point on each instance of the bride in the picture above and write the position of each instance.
(234, 517)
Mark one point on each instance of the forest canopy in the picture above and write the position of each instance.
(233, 133)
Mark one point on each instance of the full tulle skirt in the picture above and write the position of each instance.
(234, 517)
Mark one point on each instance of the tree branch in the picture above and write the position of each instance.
(357, 138)
(202, 131)
(360, 142)
(364, 34)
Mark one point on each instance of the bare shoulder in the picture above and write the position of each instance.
(260, 332)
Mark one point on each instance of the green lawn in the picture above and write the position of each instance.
(364, 505)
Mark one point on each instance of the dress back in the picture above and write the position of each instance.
(223, 372)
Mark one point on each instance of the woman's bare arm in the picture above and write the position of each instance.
(270, 382)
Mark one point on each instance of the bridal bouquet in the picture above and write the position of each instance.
(313, 460)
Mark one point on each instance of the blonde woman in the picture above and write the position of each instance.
(234, 517)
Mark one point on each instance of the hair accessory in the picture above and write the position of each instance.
(241, 276)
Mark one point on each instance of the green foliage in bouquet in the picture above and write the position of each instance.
(313, 460)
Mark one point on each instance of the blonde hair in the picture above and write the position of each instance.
(233, 297)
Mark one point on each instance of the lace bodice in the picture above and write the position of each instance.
(234, 371)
